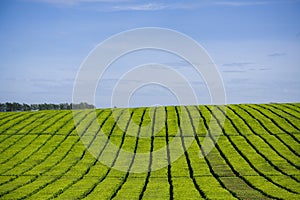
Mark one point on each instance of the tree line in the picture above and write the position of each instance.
(8, 106)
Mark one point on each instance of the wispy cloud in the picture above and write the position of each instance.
(241, 3)
(122, 5)
(135, 5)
(157, 6)
(276, 54)
(237, 64)
(234, 71)
(77, 2)
(142, 7)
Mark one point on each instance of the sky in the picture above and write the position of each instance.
(254, 44)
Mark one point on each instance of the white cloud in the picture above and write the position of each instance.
(135, 5)
(142, 7)
(158, 6)
(123, 5)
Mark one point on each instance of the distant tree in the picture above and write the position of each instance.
(50, 106)
(69, 106)
(62, 106)
(18, 106)
(26, 107)
(56, 107)
(41, 107)
(9, 106)
(34, 106)
(82, 105)
(2, 107)
(45, 106)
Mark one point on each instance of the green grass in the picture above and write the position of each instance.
(256, 155)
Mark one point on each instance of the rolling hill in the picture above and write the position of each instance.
(256, 155)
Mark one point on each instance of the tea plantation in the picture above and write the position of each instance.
(255, 154)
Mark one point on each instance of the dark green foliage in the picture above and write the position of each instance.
(8, 107)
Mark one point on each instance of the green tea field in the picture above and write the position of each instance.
(256, 153)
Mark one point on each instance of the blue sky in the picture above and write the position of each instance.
(255, 44)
